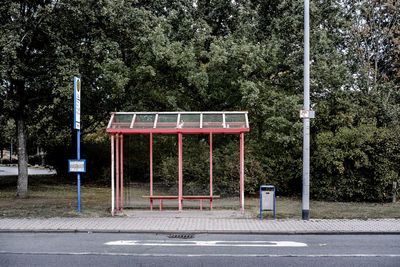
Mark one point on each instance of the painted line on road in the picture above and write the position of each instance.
(202, 255)
(206, 243)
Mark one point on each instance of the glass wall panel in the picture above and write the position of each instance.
(144, 121)
(189, 121)
(212, 121)
(122, 121)
(235, 120)
(166, 121)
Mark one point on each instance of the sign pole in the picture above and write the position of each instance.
(77, 126)
(77, 165)
(306, 121)
(78, 141)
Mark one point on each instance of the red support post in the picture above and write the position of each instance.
(242, 172)
(112, 175)
(180, 171)
(122, 171)
(151, 170)
(211, 171)
(117, 167)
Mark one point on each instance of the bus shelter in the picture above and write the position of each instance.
(179, 123)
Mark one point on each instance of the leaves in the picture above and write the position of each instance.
(215, 55)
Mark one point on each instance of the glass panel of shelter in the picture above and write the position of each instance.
(121, 121)
(213, 120)
(235, 120)
(166, 121)
(189, 121)
(144, 121)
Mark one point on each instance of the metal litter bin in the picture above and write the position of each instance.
(267, 199)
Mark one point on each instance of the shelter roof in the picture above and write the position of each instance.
(189, 122)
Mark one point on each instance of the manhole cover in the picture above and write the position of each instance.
(181, 236)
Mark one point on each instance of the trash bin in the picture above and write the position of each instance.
(267, 199)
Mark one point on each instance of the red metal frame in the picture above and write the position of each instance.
(211, 174)
(182, 131)
(118, 154)
(242, 172)
(122, 172)
(117, 171)
(151, 170)
(180, 171)
(112, 174)
(172, 125)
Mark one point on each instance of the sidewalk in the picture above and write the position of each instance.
(200, 222)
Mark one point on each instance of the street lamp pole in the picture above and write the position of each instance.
(306, 120)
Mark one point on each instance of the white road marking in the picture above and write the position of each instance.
(203, 255)
(206, 243)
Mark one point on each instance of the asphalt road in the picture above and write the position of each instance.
(119, 249)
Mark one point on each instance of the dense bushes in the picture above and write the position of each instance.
(358, 163)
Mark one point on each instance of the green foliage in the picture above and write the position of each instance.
(358, 163)
(212, 55)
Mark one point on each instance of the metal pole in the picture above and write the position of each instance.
(274, 202)
(128, 197)
(260, 202)
(306, 121)
(242, 172)
(78, 142)
(117, 168)
(211, 171)
(112, 175)
(122, 171)
(180, 170)
(151, 170)
(151, 164)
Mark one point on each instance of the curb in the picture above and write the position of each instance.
(166, 232)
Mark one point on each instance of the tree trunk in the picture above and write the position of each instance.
(22, 187)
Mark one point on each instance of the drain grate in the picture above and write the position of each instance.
(181, 236)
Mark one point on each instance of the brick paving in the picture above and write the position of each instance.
(200, 222)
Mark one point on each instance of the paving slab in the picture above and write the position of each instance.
(201, 222)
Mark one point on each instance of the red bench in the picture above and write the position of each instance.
(161, 198)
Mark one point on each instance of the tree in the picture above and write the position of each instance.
(372, 39)
(27, 60)
(43, 44)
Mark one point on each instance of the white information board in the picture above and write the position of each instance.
(77, 103)
(76, 165)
